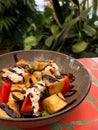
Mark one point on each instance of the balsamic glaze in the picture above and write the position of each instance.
(17, 99)
(28, 115)
(49, 78)
(31, 83)
(41, 68)
(72, 102)
(71, 77)
(70, 93)
(61, 97)
(8, 110)
(22, 66)
(20, 91)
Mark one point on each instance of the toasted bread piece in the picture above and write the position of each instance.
(38, 75)
(17, 91)
(15, 106)
(4, 114)
(54, 103)
(15, 97)
(39, 65)
(53, 85)
(56, 86)
(7, 111)
(33, 78)
(22, 61)
(48, 72)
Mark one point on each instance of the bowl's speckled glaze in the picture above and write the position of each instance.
(67, 64)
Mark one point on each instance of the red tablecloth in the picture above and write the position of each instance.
(85, 116)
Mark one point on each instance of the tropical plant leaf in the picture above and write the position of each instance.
(6, 23)
(89, 30)
(1, 8)
(57, 12)
(49, 41)
(55, 30)
(9, 3)
(31, 40)
(79, 46)
(64, 34)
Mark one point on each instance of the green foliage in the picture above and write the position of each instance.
(6, 23)
(78, 36)
(79, 46)
(13, 22)
(29, 42)
(67, 26)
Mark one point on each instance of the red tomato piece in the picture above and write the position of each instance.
(66, 85)
(27, 105)
(5, 91)
(40, 107)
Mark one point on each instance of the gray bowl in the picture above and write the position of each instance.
(67, 64)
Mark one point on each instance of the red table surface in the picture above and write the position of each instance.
(85, 116)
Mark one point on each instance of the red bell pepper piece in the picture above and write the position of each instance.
(27, 105)
(66, 85)
(40, 108)
(5, 91)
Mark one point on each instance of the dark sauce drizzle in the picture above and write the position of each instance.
(49, 78)
(20, 91)
(8, 110)
(15, 97)
(72, 91)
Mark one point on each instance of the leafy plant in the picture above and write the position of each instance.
(67, 26)
(77, 32)
(13, 21)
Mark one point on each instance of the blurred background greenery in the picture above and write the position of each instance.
(67, 26)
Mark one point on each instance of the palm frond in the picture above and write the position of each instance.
(8, 4)
(6, 23)
(64, 34)
(1, 8)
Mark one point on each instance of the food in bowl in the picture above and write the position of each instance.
(68, 65)
(33, 90)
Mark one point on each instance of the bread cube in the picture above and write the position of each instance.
(37, 75)
(54, 85)
(3, 114)
(38, 65)
(22, 61)
(54, 103)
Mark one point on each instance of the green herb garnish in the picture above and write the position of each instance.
(44, 113)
